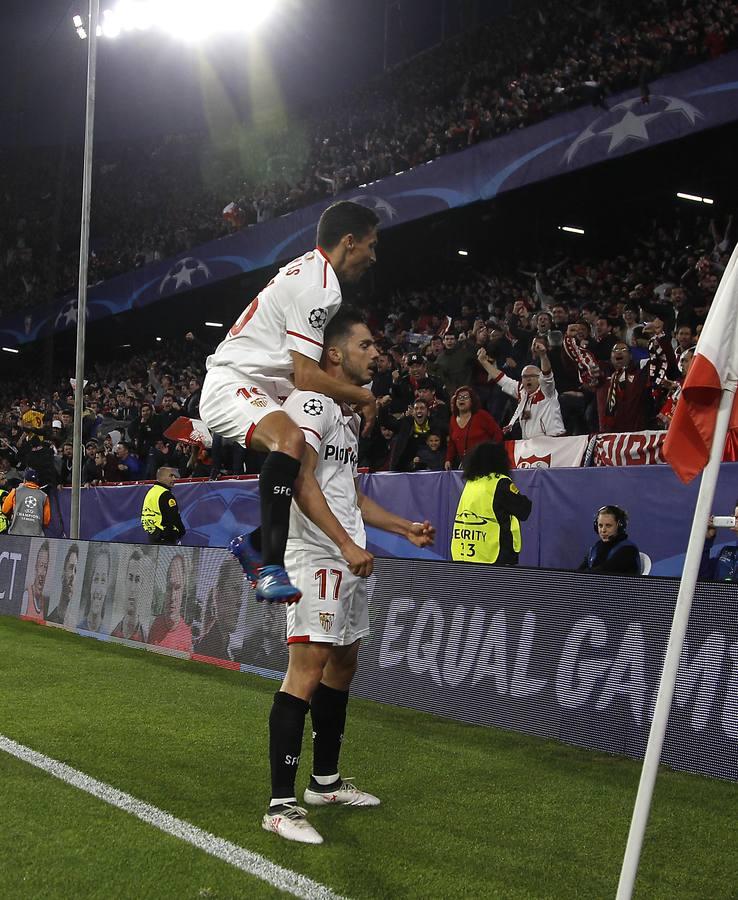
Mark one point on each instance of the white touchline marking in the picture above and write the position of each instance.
(246, 860)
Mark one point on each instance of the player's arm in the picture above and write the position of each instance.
(311, 501)
(421, 534)
(308, 376)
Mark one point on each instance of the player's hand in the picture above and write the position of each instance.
(360, 561)
(368, 409)
(422, 534)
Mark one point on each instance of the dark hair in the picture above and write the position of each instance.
(485, 459)
(475, 404)
(344, 218)
(427, 384)
(341, 325)
(72, 551)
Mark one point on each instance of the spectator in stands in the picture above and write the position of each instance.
(427, 390)
(487, 522)
(126, 466)
(469, 425)
(431, 455)
(724, 566)
(404, 387)
(382, 380)
(167, 416)
(191, 406)
(142, 431)
(538, 410)
(455, 365)
(92, 474)
(63, 464)
(623, 398)
(411, 431)
(613, 552)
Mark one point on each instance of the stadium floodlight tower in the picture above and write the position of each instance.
(187, 20)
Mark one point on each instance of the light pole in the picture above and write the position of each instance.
(190, 21)
(84, 255)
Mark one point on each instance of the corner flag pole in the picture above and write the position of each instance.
(674, 648)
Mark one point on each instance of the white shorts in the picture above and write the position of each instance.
(333, 608)
(232, 405)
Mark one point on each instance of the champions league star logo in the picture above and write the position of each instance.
(30, 503)
(68, 314)
(312, 407)
(185, 273)
(381, 207)
(622, 123)
(317, 318)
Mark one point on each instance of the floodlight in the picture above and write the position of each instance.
(695, 198)
(77, 21)
(158, 339)
(463, 252)
(10, 350)
(214, 324)
(571, 229)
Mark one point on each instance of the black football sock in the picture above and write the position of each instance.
(286, 724)
(276, 480)
(328, 712)
(255, 538)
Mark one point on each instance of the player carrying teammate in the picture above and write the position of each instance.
(275, 346)
(325, 628)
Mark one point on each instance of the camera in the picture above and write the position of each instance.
(723, 521)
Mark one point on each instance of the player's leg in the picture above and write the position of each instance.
(250, 412)
(286, 726)
(330, 700)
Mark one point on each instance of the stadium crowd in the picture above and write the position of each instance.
(566, 346)
(505, 75)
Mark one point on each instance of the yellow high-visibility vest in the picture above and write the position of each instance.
(150, 512)
(476, 532)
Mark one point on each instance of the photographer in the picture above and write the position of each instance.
(724, 566)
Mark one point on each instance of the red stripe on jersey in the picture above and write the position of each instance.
(299, 639)
(305, 338)
(249, 433)
(312, 431)
(325, 265)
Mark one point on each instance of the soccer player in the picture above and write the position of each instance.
(275, 346)
(325, 628)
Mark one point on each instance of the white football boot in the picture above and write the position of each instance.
(346, 794)
(290, 822)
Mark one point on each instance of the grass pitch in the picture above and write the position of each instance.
(467, 811)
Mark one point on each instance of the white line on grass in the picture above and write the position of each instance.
(253, 863)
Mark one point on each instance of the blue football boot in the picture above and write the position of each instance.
(250, 558)
(274, 586)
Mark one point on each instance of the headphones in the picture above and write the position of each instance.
(621, 517)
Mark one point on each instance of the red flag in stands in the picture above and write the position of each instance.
(689, 439)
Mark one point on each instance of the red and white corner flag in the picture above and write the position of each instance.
(689, 438)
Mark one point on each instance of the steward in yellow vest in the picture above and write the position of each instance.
(160, 517)
(487, 523)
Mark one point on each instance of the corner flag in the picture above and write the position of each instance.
(689, 438)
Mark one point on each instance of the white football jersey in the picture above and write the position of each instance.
(290, 313)
(334, 435)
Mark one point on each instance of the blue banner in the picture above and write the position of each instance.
(556, 536)
(680, 105)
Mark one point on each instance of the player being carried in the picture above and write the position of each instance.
(327, 559)
(275, 346)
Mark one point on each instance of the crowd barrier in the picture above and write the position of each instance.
(556, 536)
(574, 657)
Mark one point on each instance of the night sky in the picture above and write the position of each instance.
(150, 83)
